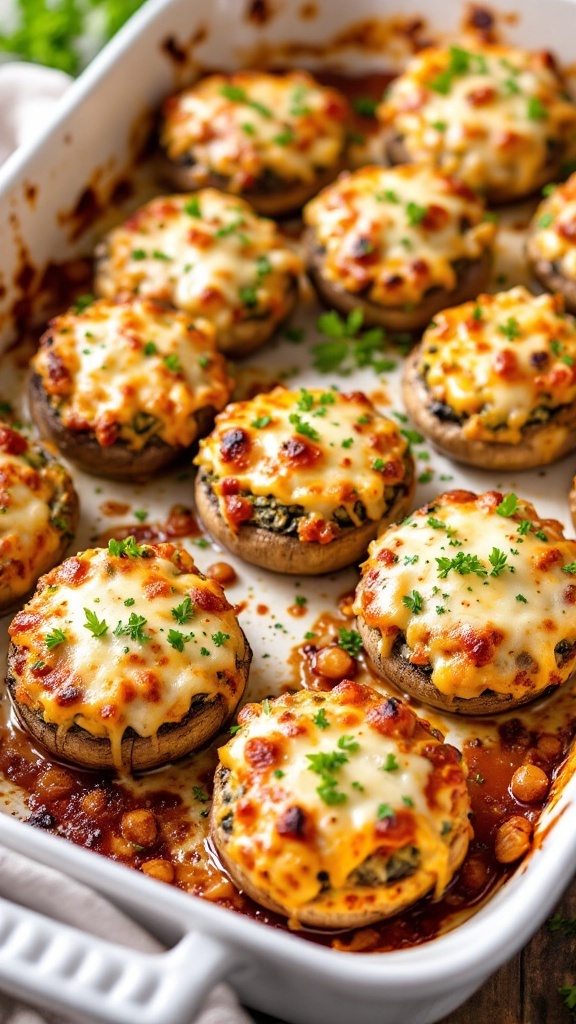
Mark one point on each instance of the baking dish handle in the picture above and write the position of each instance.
(61, 968)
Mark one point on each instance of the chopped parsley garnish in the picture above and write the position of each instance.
(305, 400)
(349, 640)
(426, 476)
(379, 465)
(414, 602)
(98, 627)
(159, 255)
(234, 729)
(390, 764)
(415, 213)
(220, 638)
(177, 639)
(347, 442)
(134, 628)
(138, 254)
(462, 564)
(545, 220)
(412, 436)
(521, 598)
(306, 429)
(347, 742)
(140, 514)
(349, 347)
(320, 719)
(248, 296)
(172, 363)
(192, 207)
(56, 637)
(261, 421)
(128, 546)
(571, 568)
(204, 652)
(150, 348)
(384, 811)
(266, 706)
(365, 105)
(536, 111)
(508, 506)
(558, 349)
(129, 602)
(511, 329)
(278, 773)
(284, 138)
(300, 601)
(199, 793)
(410, 559)
(38, 665)
(498, 561)
(82, 303)
(524, 527)
(541, 536)
(183, 612)
(387, 196)
(248, 129)
(233, 93)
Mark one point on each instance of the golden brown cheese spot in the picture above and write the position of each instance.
(321, 450)
(554, 229)
(501, 363)
(220, 262)
(126, 640)
(135, 371)
(327, 789)
(395, 233)
(249, 124)
(479, 593)
(32, 517)
(490, 115)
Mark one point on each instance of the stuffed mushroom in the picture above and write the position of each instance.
(497, 117)
(551, 246)
(209, 255)
(124, 389)
(339, 809)
(39, 514)
(272, 139)
(126, 658)
(299, 482)
(493, 382)
(467, 605)
(399, 243)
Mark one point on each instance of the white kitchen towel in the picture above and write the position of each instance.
(28, 99)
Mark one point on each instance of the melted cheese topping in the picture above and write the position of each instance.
(207, 253)
(250, 124)
(495, 116)
(502, 362)
(393, 234)
(132, 371)
(482, 597)
(298, 816)
(320, 450)
(33, 516)
(167, 636)
(553, 235)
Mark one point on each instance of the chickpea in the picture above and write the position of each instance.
(221, 573)
(54, 783)
(474, 874)
(94, 802)
(512, 839)
(159, 869)
(139, 827)
(333, 662)
(549, 746)
(529, 784)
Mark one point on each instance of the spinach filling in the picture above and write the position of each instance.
(271, 514)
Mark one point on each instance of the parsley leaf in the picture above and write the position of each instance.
(134, 628)
(320, 719)
(98, 627)
(306, 429)
(462, 564)
(498, 561)
(349, 640)
(183, 612)
(508, 506)
(56, 637)
(414, 601)
(127, 547)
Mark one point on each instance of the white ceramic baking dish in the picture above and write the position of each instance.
(101, 120)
